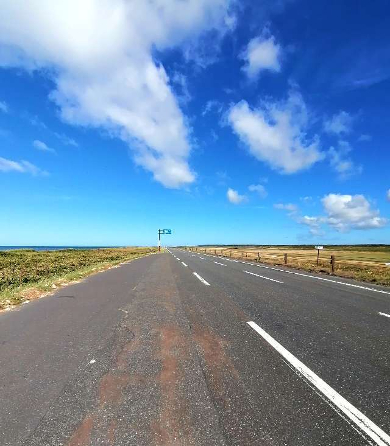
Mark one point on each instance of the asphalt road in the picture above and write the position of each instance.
(188, 349)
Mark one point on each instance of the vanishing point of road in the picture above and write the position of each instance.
(181, 348)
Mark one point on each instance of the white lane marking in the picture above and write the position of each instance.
(263, 277)
(201, 257)
(184, 264)
(335, 399)
(324, 279)
(384, 314)
(220, 263)
(201, 279)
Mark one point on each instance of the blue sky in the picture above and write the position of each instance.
(227, 121)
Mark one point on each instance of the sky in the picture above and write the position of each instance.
(229, 122)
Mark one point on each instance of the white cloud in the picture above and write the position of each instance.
(340, 123)
(100, 55)
(286, 207)
(345, 212)
(388, 195)
(210, 105)
(3, 107)
(363, 138)
(312, 222)
(66, 140)
(276, 133)
(181, 84)
(234, 197)
(259, 188)
(341, 162)
(261, 54)
(40, 145)
(7, 165)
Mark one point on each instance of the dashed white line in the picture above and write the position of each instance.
(201, 279)
(326, 280)
(384, 314)
(202, 258)
(222, 264)
(263, 277)
(365, 425)
(184, 264)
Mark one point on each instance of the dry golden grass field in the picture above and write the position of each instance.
(364, 262)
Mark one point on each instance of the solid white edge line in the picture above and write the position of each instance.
(335, 399)
(384, 314)
(324, 279)
(201, 278)
(263, 277)
(184, 264)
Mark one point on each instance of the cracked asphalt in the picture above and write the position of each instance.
(148, 354)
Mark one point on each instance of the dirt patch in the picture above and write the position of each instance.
(82, 435)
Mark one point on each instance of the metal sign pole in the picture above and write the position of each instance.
(160, 232)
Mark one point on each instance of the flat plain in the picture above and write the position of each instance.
(369, 263)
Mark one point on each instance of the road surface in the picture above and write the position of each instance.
(187, 349)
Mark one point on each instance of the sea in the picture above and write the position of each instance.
(52, 248)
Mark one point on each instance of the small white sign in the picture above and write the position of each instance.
(319, 247)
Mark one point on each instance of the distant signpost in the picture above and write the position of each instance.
(163, 232)
(318, 248)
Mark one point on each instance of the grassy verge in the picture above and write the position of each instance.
(364, 263)
(28, 274)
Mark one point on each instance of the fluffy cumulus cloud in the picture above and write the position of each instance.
(313, 223)
(339, 124)
(276, 133)
(341, 162)
(259, 189)
(345, 212)
(234, 197)
(40, 145)
(100, 55)
(341, 212)
(7, 165)
(262, 53)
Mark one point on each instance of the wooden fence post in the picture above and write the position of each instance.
(258, 257)
(333, 263)
(285, 259)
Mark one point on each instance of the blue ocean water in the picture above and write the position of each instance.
(52, 248)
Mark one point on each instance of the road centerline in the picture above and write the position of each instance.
(201, 278)
(263, 277)
(184, 264)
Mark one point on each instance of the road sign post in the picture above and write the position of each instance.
(318, 248)
(161, 232)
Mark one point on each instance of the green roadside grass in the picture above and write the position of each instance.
(27, 274)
